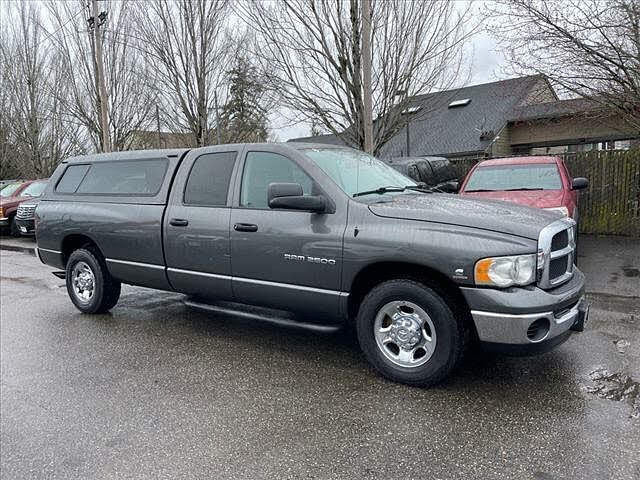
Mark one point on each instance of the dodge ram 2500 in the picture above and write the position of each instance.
(328, 233)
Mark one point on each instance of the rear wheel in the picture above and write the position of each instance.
(90, 286)
(409, 333)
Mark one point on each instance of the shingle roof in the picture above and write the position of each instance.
(328, 139)
(439, 130)
(553, 109)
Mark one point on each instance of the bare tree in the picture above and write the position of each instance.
(130, 98)
(37, 135)
(311, 50)
(187, 44)
(588, 48)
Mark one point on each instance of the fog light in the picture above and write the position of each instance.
(538, 329)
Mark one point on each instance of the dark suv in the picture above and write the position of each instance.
(434, 172)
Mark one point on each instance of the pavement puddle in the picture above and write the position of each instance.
(617, 386)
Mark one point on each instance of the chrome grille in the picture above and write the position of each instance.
(556, 249)
(25, 211)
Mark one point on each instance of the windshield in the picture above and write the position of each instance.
(541, 176)
(9, 189)
(355, 171)
(34, 190)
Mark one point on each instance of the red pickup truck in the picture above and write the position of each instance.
(542, 182)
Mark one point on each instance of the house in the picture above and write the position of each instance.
(516, 116)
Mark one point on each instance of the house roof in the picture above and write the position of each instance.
(555, 109)
(328, 139)
(437, 129)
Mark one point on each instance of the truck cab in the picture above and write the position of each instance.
(327, 233)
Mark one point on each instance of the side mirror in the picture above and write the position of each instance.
(579, 183)
(290, 196)
(452, 186)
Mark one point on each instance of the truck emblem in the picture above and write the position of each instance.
(304, 258)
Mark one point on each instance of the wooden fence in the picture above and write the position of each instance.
(611, 204)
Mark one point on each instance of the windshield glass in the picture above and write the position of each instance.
(542, 176)
(355, 171)
(9, 189)
(34, 190)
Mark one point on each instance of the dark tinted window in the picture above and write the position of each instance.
(141, 177)
(442, 170)
(263, 168)
(208, 182)
(71, 178)
(426, 173)
(412, 171)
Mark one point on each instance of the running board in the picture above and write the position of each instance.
(60, 274)
(275, 317)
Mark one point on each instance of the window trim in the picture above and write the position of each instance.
(239, 205)
(227, 203)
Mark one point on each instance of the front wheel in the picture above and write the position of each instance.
(409, 332)
(90, 286)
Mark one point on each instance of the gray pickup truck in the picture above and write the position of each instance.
(324, 234)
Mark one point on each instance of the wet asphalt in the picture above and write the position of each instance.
(157, 390)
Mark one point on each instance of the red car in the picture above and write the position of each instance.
(13, 195)
(542, 182)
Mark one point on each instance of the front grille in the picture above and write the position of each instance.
(560, 240)
(25, 211)
(556, 248)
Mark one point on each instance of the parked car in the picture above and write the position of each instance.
(12, 196)
(434, 172)
(326, 232)
(25, 217)
(542, 182)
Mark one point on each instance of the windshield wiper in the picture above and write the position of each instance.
(421, 188)
(524, 189)
(482, 190)
(380, 191)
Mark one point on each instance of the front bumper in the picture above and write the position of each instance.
(525, 320)
(26, 226)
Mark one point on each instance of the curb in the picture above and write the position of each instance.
(18, 248)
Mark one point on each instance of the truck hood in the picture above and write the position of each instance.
(535, 198)
(493, 215)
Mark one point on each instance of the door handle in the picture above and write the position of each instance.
(178, 222)
(245, 227)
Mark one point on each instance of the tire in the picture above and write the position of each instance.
(410, 301)
(14, 231)
(85, 268)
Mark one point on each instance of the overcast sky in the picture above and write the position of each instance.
(486, 65)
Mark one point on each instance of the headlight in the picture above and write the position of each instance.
(506, 271)
(563, 210)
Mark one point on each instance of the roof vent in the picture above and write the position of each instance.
(412, 109)
(460, 103)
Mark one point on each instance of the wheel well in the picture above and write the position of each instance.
(74, 242)
(377, 273)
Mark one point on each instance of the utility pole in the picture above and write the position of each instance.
(215, 101)
(158, 124)
(366, 76)
(97, 21)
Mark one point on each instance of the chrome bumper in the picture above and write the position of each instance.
(530, 328)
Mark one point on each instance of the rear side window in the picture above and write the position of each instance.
(141, 177)
(71, 178)
(208, 182)
(426, 174)
(443, 171)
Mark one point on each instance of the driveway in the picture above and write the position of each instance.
(156, 390)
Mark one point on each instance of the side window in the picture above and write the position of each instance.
(413, 172)
(143, 177)
(426, 173)
(263, 168)
(208, 182)
(71, 178)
